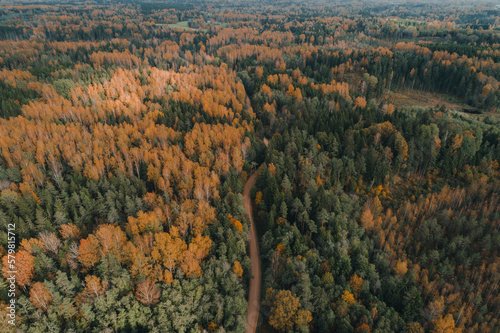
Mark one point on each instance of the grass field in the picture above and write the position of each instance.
(405, 99)
(185, 26)
(181, 24)
(424, 99)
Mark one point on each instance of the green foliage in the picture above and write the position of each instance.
(63, 87)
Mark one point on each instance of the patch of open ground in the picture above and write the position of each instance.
(424, 99)
(184, 25)
(404, 99)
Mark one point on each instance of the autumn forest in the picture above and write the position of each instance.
(367, 133)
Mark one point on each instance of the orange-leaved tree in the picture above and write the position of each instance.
(147, 292)
(24, 266)
(40, 297)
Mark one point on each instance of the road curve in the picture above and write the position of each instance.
(255, 281)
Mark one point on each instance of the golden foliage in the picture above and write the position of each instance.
(360, 102)
(348, 298)
(414, 328)
(69, 230)
(237, 269)
(236, 223)
(285, 312)
(356, 283)
(444, 325)
(367, 219)
(258, 198)
(280, 249)
(401, 267)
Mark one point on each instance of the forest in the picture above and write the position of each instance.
(128, 131)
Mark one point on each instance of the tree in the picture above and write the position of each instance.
(40, 297)
(348, 298)
(414, 328)
(401, 267)
(63, 87)
(258, 198)
(111, 239)
(49, 242)
(69, 230)
(303, 319)
(367, 219)
(88, 252)
(24, 265)
(94, 287)
(144, 222)
(363, 328)
(236, 223)
(167, 251)
(434, 308)
(267, 90)
(285, 310)
(390, 109)
(191, 259)
(444, 325)
(147, 293)
(259, 71)
(237, 269)
(360, 102)
(356, 283)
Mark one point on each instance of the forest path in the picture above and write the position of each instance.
(255, 282)
(254, 293)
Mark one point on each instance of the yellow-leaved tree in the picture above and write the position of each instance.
(237, 269)
(285, 310)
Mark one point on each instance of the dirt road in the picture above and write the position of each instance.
(255, 282)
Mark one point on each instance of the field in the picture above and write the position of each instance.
(422, 99)
(184, 25)
(408, 99)
(181, 24)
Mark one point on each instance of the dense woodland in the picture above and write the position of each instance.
(128, 130)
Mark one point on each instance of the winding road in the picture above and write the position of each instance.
(255, 282)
